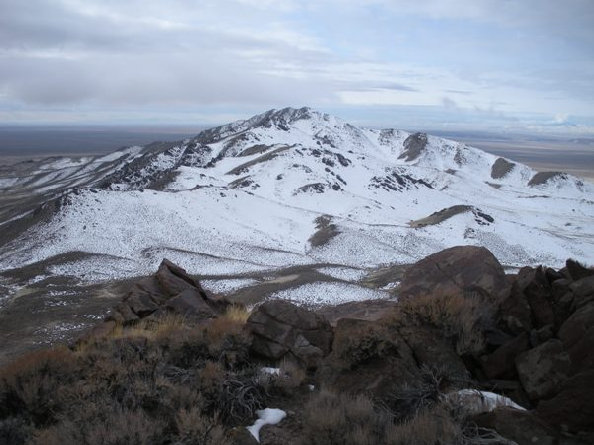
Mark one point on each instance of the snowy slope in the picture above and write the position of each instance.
(249, 196)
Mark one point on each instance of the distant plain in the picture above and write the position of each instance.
(19, 143)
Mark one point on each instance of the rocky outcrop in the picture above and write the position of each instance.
(536, 330)
(541, 178)
(282, 330)
(501, 168)
(170, 290)
(413, 146)
(455, 271)
(551, 315)
(539, 344)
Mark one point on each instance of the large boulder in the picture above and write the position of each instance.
(281, 329)
(456, 271)
(543, 369)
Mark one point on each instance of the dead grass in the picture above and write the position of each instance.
(237, 313)
(291, 375)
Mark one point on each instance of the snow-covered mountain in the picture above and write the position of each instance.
(287, 187)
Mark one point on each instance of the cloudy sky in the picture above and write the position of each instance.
(513, 65)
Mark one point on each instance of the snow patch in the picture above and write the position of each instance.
(476, 401)
(267, 416)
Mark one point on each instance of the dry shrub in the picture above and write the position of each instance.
(462, 318)
(212, 373)
(367, 343)
(196, 429)
(222, 327)
(409, 400)
(228, 341)
(30, 385)
(429, 427)
(240, 396)
(142, 383)
(167, 325)
(331, 418)
(115, 427)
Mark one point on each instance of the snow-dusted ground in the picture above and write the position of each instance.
(321, 293)
(248, 196)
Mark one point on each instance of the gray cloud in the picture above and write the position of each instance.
(61, 53)
(158, 55)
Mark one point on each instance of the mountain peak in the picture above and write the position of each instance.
(279, 118)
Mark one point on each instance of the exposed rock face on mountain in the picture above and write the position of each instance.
(501, 168)
(413, 146)
(541, 178)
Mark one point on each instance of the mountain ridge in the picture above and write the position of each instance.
(258, 185)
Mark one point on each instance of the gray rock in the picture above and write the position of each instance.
(280, 328)
(543, 369)
(413, 146)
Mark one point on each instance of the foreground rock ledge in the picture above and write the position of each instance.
(536, 337)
